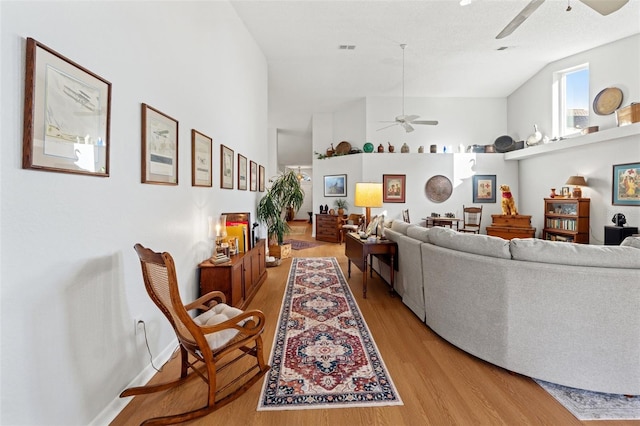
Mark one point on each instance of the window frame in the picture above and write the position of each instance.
(559, 100)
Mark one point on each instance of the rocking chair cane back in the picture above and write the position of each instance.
(218, 333)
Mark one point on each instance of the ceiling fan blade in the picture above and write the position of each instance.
(386, 127)
(428, 122)
(520, 18)
(407, 118)
(407, 127)
(605, 7)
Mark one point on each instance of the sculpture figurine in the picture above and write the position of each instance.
(508, 203)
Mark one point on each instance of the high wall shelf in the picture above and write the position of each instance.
(576, 141)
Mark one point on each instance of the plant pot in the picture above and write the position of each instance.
(281, 252)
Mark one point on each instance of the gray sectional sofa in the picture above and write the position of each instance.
(561, 312)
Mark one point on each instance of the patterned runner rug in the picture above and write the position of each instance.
(323, 353)
(301, 245)
(588, 405)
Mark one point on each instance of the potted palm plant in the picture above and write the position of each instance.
(342, 205)
(285, 192)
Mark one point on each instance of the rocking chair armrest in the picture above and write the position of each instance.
(254, 322)
(203, 302)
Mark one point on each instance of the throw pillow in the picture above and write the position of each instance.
(631, 242)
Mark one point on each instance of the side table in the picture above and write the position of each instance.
(359, 252)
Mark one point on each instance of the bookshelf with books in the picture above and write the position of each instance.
(566, 219)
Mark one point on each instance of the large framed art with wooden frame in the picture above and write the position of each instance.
(67, 113)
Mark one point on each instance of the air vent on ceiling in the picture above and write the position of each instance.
(347, 46)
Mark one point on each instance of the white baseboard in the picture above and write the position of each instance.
(112, 410)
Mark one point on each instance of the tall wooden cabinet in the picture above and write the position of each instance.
(238, 279)
(328, 228)
(566, 219)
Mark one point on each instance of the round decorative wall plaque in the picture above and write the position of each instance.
(607, 101)
(438, 188)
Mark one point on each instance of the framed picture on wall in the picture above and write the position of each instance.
(226, 167)
(335, 186)
(67, 111)
(201, 159)
(393, 188)
(484, 188)
(159, 147)
(261, 178)
(253, 176)
(625, 189)
(242, 172)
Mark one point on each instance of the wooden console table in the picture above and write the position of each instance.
(239, 279)
(359, 252)
(511, 226)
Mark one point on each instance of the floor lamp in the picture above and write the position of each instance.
(368, 195)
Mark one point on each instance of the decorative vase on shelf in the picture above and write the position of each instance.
(420, 149)
(391, 147)
(405, 148)
(380, 148)
(553, 193)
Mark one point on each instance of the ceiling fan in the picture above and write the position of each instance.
(603, 7)
(406, 121)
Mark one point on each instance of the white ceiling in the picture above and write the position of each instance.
(451, 49)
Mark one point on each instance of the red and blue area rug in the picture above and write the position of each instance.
(323, 353)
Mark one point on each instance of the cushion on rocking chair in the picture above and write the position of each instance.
(216, 315)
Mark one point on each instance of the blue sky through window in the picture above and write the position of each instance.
(577, 84)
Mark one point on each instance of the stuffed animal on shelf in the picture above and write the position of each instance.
(508, 203)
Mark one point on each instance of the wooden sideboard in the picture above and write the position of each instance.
(239, 279)
(328, 228)
(511, 226)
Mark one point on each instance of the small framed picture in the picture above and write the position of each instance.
(394, 188)
(201, 159)
(484, 188)
(226, 167)
(335, 186)
(67, 111)
(261, 178)
(242, 172)
(565, 192)
(625, 189)
(159, 147)
(253, 176)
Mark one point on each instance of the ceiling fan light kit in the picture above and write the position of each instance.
(403, 120)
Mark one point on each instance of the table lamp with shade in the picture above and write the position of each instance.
(577, 182)
(368, 195)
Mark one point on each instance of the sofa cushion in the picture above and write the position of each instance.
(485, 245)
(419, 233)
(562, 253)
(631, 242)
(400, 226)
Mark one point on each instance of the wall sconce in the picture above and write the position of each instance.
(368, 195)
(577, 181)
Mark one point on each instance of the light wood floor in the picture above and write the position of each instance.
(438, 383)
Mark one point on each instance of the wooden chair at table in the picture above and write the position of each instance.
(472, 218)
(405, 216)
(350, 224)
(215, 339)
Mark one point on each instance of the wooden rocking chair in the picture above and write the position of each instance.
(218, 332)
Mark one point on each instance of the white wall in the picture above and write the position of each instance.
(616, 64)
(70, 280)
(465, 121)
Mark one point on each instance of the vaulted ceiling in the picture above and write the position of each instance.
(452, 50)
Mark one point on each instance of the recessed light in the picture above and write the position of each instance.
(347, 46)
(503, 48)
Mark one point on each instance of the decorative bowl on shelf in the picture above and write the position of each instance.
(368, 147)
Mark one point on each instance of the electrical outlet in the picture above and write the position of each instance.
(138, 323)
